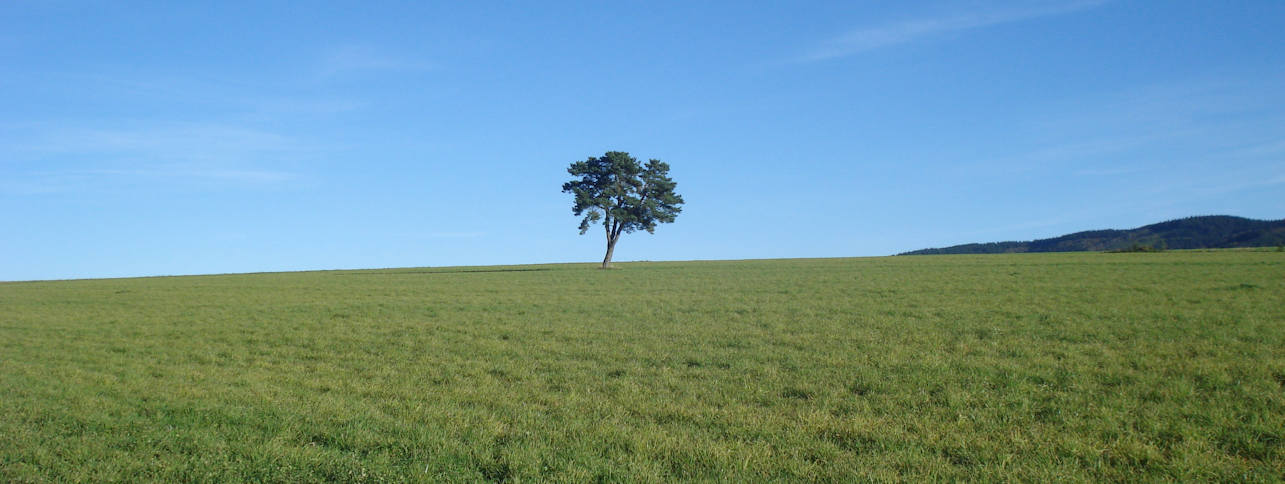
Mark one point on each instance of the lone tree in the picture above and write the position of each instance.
(623, 194)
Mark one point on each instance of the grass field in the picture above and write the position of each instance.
(1081, 366)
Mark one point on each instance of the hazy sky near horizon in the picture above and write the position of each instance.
(154, 138)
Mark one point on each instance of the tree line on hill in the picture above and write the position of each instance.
(1204, 232)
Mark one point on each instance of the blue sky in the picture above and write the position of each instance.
(186, 138)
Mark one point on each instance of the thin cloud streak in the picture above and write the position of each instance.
(238, 176)
(216, 147)
(867, 39)
(158, 140)
(1202, 122)
(81, 181)
(360, 58)
(1108, 171)
(69, 159)
(456, 235)
(1263, 150)
(1252, 184)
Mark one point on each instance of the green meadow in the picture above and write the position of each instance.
(1068, 366)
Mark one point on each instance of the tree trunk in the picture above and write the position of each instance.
(611, 247)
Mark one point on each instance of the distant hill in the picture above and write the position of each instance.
(1207, 232)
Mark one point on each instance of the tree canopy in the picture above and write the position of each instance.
(623, 194)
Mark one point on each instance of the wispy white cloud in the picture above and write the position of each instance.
(1108, 171)
(50, 158)
(1249, 182)
(310, 107)
(349, 59)
(1094, 148)
(246, 176)
(870, 38)
(275, 99)
(456, 235)
(183, 172)
(169, 140)
(1268, 149)
(1165, 131)
(155, 141)
(52, 182)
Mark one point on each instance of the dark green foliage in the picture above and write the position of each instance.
(1136, 247)
(1208, 232)
(623, 194)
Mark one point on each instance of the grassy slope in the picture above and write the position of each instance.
(1070, 366)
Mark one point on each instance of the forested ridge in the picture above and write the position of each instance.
(1203, 232)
